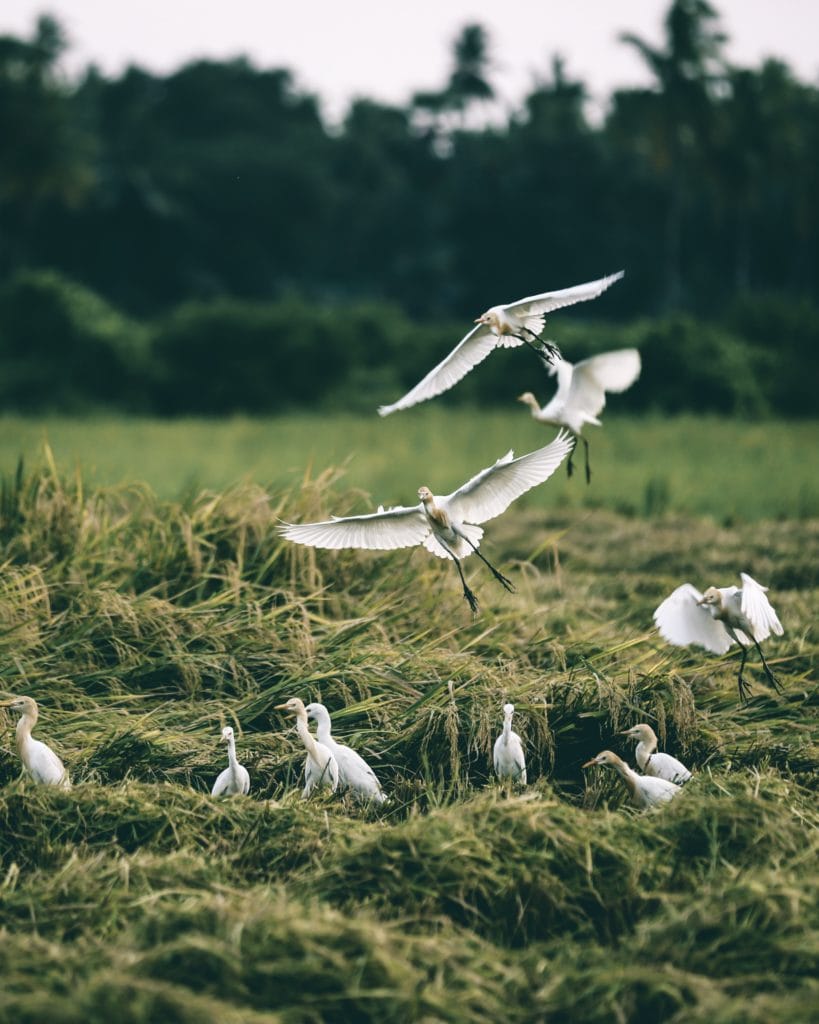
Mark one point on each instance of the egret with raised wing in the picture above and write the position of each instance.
(508, 756)
(353, 771)
(517, 323)
(720, 617)
(643, 790)
(39, 760)
(320, 767)
(649, 761)
(446, 526)
(234, 780)
(581, 392)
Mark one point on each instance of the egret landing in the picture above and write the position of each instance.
(39, 760)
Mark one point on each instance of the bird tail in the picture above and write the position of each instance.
(460, 548)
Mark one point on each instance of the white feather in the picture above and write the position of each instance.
(682, 621)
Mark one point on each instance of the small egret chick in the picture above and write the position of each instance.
(660, 766)
(320, 767)
(234, 780)
(581, 392)
(517, 323)
(720, 617)
(39, 760)
(447, 525)
(353, 771)
(510, 762)
(644, 790)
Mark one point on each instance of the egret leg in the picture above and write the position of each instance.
(742, 686)
(504, 582)
(570, 464)
(771, 677)
(588, 468)
(549, 350)
(468, 595)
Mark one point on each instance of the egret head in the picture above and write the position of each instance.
(605, 757)
(27, 705)
(227, 734)
(642, 732)
(527, 398)
(508, 710)
(316, 711)
(294, 706)
(711, 597)
(425, 494)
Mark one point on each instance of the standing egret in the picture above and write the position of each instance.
(581, 392)
(720, 617)
(661, 766)
(508, 758)
(39, 760)
(320, 767)
(499, 327)
(234, 780)
(644, 790)
(353, 771)
(444, 525)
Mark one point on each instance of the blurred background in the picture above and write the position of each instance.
(210, 240)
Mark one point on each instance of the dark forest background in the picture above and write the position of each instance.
(205, 242)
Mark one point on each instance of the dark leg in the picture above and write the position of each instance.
(744, 689)
(547, 351)
(468, 595)
(588, 468)
(504, 582)
(771, 677)
(570, 464)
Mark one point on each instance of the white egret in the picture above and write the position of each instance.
(353, 771)
(581, 392)
(644, 790)
(509, 759)
(234, 780)
(446, 526)
(320, 767)
(39, 760)
(720, 617)
(661, 766)
(499, 327)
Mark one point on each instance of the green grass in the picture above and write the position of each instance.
(724, 468)
(142, 624)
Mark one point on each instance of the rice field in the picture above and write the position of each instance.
(146, 609)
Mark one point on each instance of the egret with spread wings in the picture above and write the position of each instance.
(518, 323)
(446, 526)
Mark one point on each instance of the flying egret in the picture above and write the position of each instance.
(581, 392)
(720, 617)
(320, 767)
(234, 780)
(509, 760)
(39, 760)
(500, 326)
(644, 790)
(446, 526)
(353, 771)
(661, 766)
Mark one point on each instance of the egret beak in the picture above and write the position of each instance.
(280, 707)
(519, 398)
(588, 764)
(478, 320)
(625, 732)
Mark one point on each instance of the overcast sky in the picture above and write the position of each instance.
(339, 49)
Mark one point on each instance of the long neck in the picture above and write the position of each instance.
(507, 729)
(627, 775)
(304, 732)
(534, 408)
(27, 722)
(232, 761)
(323, 728)
(645, 748)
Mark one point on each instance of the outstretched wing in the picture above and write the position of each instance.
(549, 301)
(682, 621)
(494, 489)
(379, 531)
(592, 378)
(757, 608)
(469, 351)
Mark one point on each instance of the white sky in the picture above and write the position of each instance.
(386, 50)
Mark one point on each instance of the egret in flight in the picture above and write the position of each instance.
(320, 767)
(509, 760)
(518, 323)
(39, 760)
(720, 617)
(644, 790)
(353, 771)
(234, 779)
(446, 526)
(649, 761)
(581, 392)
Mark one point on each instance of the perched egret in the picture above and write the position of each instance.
(444, 525)
(661, 766)
(353, 771)
(320, 767)
(518, 323)
(644, 790)
(39, 760)
(509, 759)
(720, 617)
(581, 392)
(234, 780)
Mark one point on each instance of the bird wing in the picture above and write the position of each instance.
(221, 783)
(494, 489)
(757, 608)
(681, 621)
(549, 301)
(470, 350)
(43, 764)
(664, 766)
(380, 531)
(354, 772)
(592, 378)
